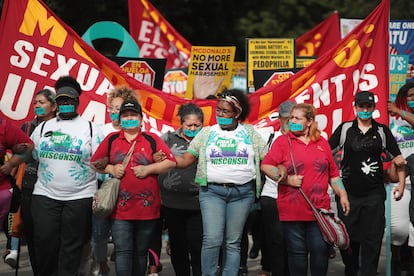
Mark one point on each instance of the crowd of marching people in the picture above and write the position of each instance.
(208, 186)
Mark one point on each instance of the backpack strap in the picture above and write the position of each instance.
(382, 135)
(345, 127)
(269, 141)
(90, 128)
(42, 127)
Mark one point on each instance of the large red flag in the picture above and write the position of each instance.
(155, 37)
(358, 62)
(38, 48)
(321, 38)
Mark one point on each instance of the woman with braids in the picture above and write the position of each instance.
(228, 155)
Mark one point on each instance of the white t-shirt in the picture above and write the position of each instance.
(270, 186)
(108, 128)
(64, 149)
(404, 135)
(230, 156)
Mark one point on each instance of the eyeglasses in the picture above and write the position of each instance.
(224, 111)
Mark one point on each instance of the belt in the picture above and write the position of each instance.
(229, 185)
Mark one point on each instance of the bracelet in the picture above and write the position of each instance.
(403, 114)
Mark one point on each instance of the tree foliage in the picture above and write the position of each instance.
(226, 22)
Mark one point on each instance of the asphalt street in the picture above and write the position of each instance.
(335, 265)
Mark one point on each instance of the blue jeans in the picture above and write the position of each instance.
(224, 212)
(131, 239)
(303, 240)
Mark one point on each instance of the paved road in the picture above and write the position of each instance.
(335, 265)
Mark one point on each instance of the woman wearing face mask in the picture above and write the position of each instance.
(401, 126)
(228, 172)
(138, 207)
(44, 105)
(363, 178)
(62, 197)
(179, 196)
(312, 169)
(101, 226)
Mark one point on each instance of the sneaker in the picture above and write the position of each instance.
(11, 258)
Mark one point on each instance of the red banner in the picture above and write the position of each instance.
(359, 62)
(320, 39)
(38, 48)
(155, 37)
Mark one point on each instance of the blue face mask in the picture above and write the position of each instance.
(410, 104)
(128, 124)
(66, 108)
(114, 116)
(295, 127)
(364, 114)
(224, 121)
(191, 133)
(40, 111)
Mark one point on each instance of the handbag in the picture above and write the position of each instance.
(105, 198)
(332, 227)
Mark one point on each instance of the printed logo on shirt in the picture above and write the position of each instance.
(228, 152)
(369, 167)
(61, 146)
(404, 133)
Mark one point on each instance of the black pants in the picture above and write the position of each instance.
(156, 241)
(185, 230)
(274, 257)
(26, 213)
(61, 229)
(365, 224)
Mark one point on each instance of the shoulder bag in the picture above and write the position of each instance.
(332, 227)
(105, 199)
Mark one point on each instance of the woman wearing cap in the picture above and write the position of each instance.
(310, 164)
(62, 197)
(138, 205)
(228, 172)
(363, 177)
(101, 226)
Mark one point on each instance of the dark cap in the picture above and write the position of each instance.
(67, 91)
(364, 97)
(130, 105)
(285, 107)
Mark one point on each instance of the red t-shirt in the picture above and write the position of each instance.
(10, 136)
(315, 162)
(139, 199)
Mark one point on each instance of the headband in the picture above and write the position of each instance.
(234, 101)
